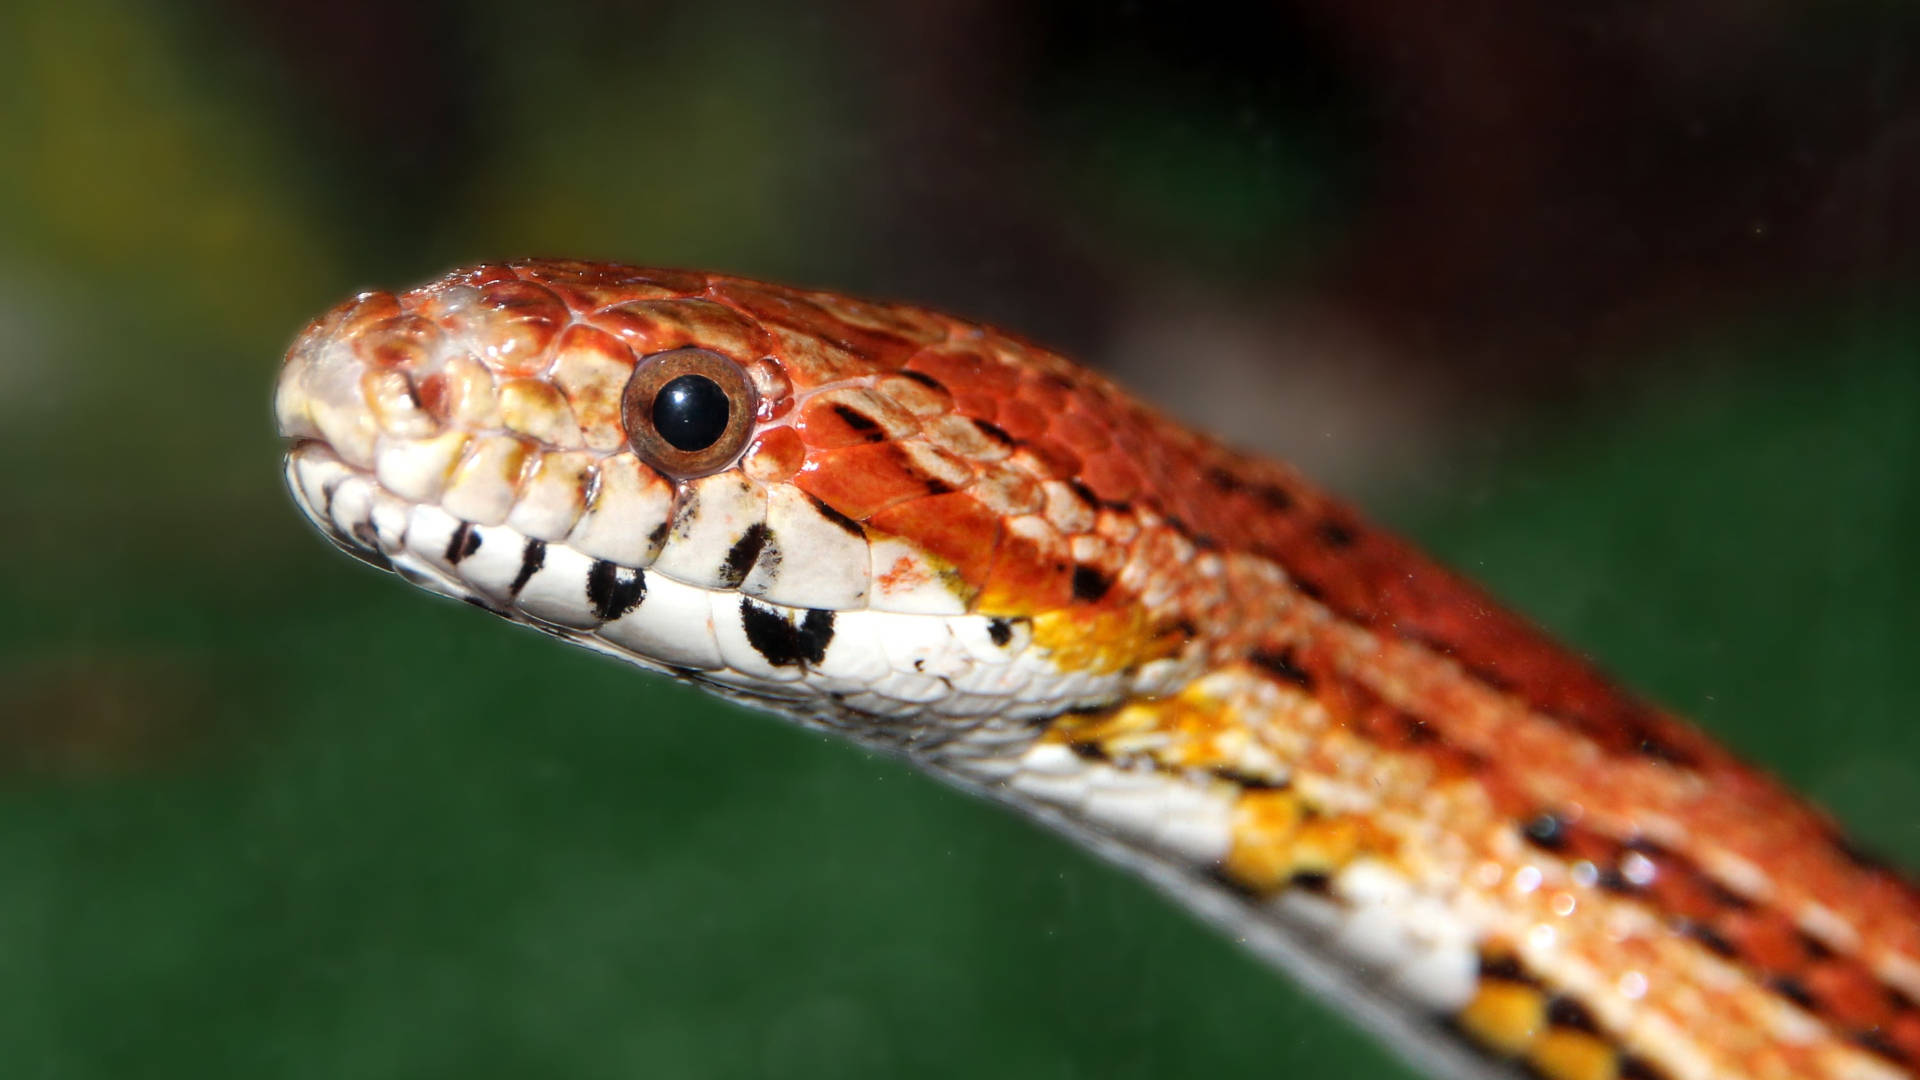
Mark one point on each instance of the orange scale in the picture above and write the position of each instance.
(789, 311)
(894, 320)
(1057, 461)
(355, 316)
(1047, 394)
(1001, 378)
(1021, 420)
(1904, 1033)
(1110, 478)
(1081, 432)
(774, 456)
(952, 527)
(1768, 939)
(1032, 573)
(408, 342)
(915, 396)
(860, 481)
(651, 326)
(1849, 995)
(847, 416)
(979, 407)
(1680, 892)
(587, 294)
(957, 372)
(632, 280)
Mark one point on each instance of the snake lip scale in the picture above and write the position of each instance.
(949, 543)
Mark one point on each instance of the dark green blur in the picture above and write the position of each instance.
(266, 812)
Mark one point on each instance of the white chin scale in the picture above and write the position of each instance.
(896, 677)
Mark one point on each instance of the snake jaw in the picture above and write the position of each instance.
(469, 435)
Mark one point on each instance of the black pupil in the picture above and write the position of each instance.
(691, 412)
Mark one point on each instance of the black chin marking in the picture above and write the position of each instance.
(465, 542)
(781, 643)
(614, 590)
(532, 558)
(740, 557)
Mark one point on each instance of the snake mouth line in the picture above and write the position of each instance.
(356, 536)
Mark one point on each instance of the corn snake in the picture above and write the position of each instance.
(955, 545)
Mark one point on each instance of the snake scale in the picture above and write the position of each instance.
(951, 544)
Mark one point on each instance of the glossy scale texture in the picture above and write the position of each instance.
(948, 542)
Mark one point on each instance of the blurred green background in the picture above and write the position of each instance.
(1615, 311)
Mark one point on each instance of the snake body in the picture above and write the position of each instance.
(952, 544)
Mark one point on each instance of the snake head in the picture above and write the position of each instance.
(831, 507)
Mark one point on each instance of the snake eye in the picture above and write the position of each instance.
(688, 412)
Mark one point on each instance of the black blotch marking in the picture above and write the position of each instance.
(838, 518)
(1612, 880)
(1222, 479)
(1312, 881)
(1310, 590)
(861, 424)
(781, 643)
(463, 543)
(1000, 631)
(1506, 967)
(659, 534)
(1567, 1013)
(936, 486)
(532, 558)
(1283, 664)
(1645, 845)
(994, 431)
(611, 592)
(1089, 750)
(1336, 534)
(1090, 584)
(1546, 831)
(919, 664)
(1795, 991)
(740, 557)
(1638, 1068)
(1708, 936)
(1875, 1042)
(922, 378)
(1726, 897)
(1818, 950)
(1421, 733)
(1277, 499)
(1247, 781)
